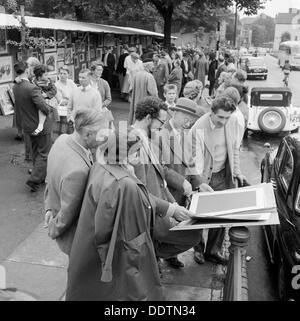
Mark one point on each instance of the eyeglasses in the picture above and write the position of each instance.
(162, 122)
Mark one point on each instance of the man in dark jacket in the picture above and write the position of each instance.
(121, 71)
(29, 101)
(109, 62)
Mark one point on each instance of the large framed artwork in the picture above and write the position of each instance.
(68, 56)
(6, 69)
(6, 104)
(60, 54)
(3, 45)
(50, 59)
(109, 40)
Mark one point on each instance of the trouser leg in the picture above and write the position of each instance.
(176, 242)
(40, 149)
(28, 146)
(214, 240)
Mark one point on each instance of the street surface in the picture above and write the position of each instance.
(21, 211)
(261, 285)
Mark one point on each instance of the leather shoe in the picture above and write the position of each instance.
(217, 258)
(174, 262)
(199, 257)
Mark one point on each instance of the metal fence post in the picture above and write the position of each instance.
(236, 285)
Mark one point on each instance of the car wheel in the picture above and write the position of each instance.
(281, 282)
(271, 120)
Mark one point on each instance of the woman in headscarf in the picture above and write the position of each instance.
(112, 256)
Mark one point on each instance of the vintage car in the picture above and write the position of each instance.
(282, 168)
(256, 67)
(271, 111)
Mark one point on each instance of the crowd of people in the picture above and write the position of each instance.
(113, 193)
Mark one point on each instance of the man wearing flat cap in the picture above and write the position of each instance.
(174, 155)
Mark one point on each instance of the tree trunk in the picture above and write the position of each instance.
(168, 27)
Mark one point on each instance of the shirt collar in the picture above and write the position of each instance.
(21, 78)
(87, 88)
(212, 125)
(86, 151)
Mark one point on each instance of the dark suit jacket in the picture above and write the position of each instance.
(111, 61)
(67, 175)
(28, 100)
(120, 66)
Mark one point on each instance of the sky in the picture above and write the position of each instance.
(272, 7)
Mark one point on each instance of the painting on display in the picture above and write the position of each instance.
(3, 45)
(83, 66)
(99, 53)
(50, 59)
(77, 46)
(60, 54)
(82, 57)
(92, 53)
(76, 62)
(109, 40)
(6, 69)
(6, 104)
(19, 56)
(100, 40)
(50, 46)
(71, 71)
(60, 64)
(68, 56)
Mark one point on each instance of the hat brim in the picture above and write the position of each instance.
(186, 111)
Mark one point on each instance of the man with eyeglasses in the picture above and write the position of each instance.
(151, 115)
(173, 154)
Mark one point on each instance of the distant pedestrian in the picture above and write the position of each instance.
(84, 96)
(160, 74)
(201, 68)
(121, 71)
(142, 85)
(109, 62)
(175, 77)
(221, 67)
(213, 65)
(29, 101)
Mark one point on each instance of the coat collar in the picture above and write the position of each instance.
(78, 150)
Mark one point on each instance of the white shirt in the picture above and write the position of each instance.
(220, 148)
(65, 90)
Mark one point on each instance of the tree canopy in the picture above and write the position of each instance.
(188, 13)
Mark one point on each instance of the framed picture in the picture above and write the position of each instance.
(109, 40)
(19, 56)
(68, 37)
(82, 46)
(77, 45)
(100, 40)
(60, 64)
(3, 45)
(82, 57)
(50, 59)
(76, 62)
(68, 56)
(6, 104)
(50, 44)
(60, 54)
(71, 71)
(6, 69)
(83, 66)
(99, 53)
(92, 53)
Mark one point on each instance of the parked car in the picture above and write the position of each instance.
(271, 111)
(256, 67)
(282, 168)
(295, 62)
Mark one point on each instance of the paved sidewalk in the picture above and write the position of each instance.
(37, 266)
